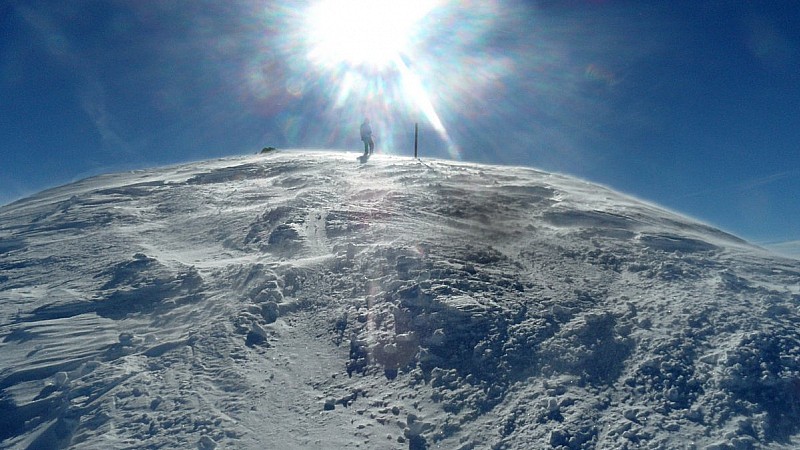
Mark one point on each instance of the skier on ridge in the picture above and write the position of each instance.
(366, 136)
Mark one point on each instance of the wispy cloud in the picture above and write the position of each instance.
(769, 179)
(45, 26)
(745, 186)
(93, 102)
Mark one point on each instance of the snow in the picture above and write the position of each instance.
(301, 300)
(789, 249)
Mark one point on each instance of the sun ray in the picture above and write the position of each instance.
(413, 86)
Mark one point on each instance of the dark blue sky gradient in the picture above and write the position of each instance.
(694, 105)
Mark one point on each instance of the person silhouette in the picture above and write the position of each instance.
(366, 137)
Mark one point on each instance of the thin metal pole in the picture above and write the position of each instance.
(416, 134)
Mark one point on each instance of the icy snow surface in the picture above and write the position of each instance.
(300, 300)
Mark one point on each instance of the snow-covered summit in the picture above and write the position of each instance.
(300, 300)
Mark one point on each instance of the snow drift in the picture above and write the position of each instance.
(300, 300)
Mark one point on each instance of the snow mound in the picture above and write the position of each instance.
(301, 300)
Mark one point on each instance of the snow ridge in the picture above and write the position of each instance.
(301, 300)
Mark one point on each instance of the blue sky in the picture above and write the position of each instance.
(693, 105)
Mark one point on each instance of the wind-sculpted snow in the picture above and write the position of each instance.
(300, 300)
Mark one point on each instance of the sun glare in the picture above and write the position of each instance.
(362, 32)
(357, 39)
(382, 59)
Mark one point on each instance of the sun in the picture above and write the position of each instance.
(370, 33)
